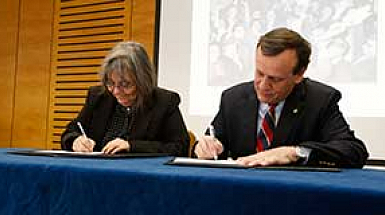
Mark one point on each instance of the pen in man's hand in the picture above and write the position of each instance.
(81, 129)
(212, 134)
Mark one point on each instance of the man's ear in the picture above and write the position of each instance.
(299, 76)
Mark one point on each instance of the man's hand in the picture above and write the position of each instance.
(83, 144)
(208, 147)
(115, 146)
(276, 156)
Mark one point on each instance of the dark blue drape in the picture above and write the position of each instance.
(58, 185)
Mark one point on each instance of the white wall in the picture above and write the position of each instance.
(183, 67)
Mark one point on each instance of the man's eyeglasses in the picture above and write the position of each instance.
(123, 85)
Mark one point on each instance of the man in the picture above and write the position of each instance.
(282, 118)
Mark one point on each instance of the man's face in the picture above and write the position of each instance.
(274, 79)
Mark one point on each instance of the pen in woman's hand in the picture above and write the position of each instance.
(85, 136)
(212, 134)
(82, 130)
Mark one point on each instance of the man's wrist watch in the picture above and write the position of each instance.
(302, 153)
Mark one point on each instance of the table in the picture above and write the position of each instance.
(62, 185)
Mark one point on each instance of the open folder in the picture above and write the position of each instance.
(181, 161)
(62, 153)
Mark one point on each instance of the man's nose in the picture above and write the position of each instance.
(264, 82)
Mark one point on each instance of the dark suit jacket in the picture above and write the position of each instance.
(310, 118)
(159, 128)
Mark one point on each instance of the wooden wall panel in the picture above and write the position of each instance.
(50, 52)
(32, 74)
(84, 32)
(9, 12)
(143, 23)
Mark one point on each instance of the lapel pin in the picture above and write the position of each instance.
(295, 110)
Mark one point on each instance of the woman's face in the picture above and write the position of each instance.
(122, 88)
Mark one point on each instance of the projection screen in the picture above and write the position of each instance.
(206, 46)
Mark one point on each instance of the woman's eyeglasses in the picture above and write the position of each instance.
(123, 85)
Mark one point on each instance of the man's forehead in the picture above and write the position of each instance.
(283, 60)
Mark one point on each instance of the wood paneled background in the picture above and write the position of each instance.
(50, 52)
(9, 21)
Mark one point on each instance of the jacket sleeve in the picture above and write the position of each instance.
(84, 117)
(336, 144)
(166, 132)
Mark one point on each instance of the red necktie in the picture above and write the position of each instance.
(265, 135)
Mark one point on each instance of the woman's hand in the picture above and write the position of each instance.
(83, 144)
(115, 146)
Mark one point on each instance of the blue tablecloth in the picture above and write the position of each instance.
(62, 185)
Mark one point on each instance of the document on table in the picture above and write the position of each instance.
(181, 161)
(56, 153)
(375, 163)
(62, 153)
(204, 163)
(382, 168)
(69, 152)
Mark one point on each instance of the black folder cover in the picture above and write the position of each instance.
(232, 164)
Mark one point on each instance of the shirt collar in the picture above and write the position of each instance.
(264, 107)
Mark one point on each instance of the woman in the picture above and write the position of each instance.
(128, 113)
